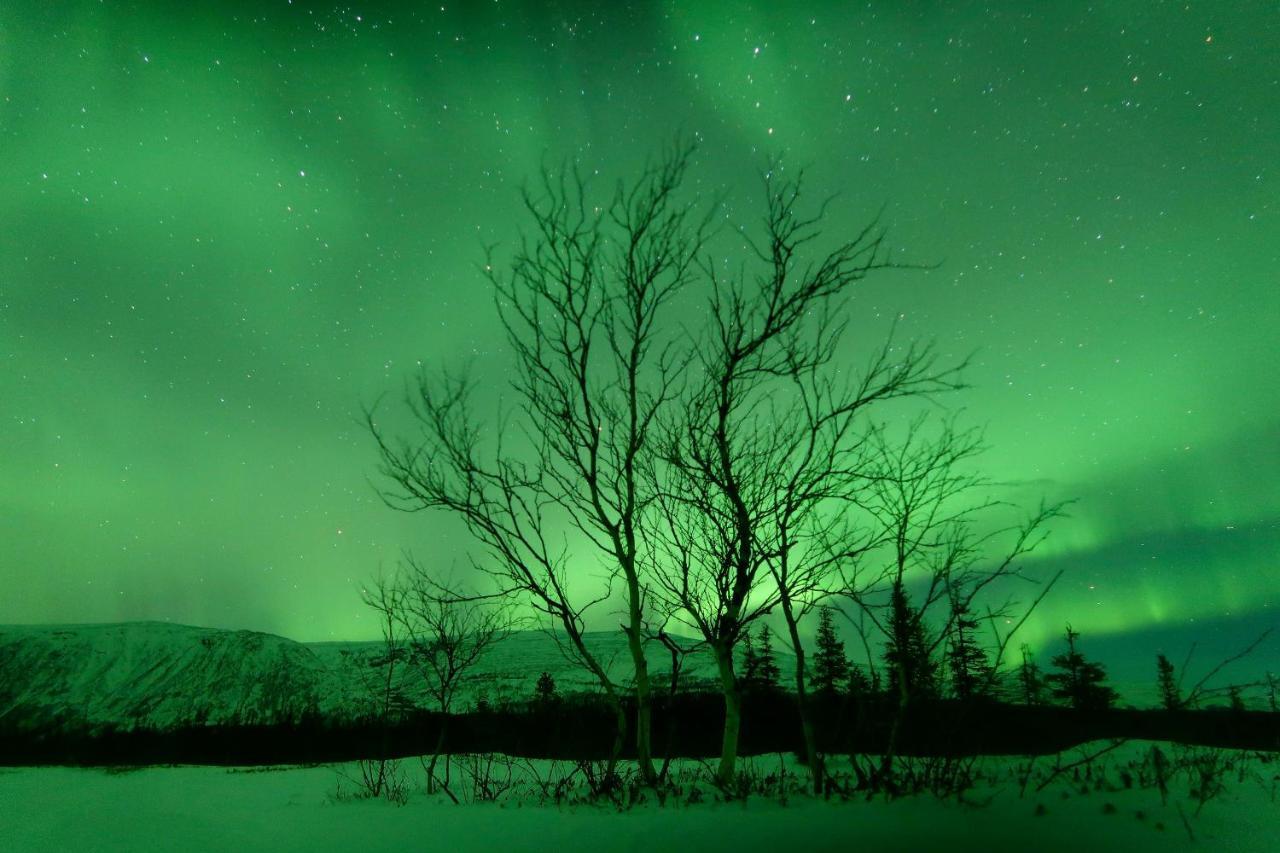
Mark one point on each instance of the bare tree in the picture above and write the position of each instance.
(678, 652)
(580, 303)
(447, 465)
(447, 633)
(936, 517)
(941, 522)
(815, 538)
(1201, 689)
(380, 776)
(766, 440)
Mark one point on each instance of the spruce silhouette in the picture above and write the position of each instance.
(971, 675)
(1170, 697)
(911, 670)
(830, 664)
(1078, 681)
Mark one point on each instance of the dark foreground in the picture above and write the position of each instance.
(688, 726)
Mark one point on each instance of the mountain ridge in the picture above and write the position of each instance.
(155, 674)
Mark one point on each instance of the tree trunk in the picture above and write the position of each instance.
(611, 693)
(811, 753)
(732, 715)
(435, 755)
(619, 736)
(644, 703)
(895, 729)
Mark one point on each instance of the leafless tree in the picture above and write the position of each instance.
(581, 302)
(679, 651)
(937, 519)
(380, 776)
(447, 632)
(767, 438)
(1202, 690)
(500, 499)
(816, 538)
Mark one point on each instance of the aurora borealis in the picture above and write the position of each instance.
(226, 228)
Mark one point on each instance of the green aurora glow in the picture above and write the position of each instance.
(226, 228)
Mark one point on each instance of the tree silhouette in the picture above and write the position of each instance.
(937, 520)
(750, 660)
(760, 672)
(545, 690)
(768, 673)
(764, 450)
(445, 636)
(859, 684)
(831, 668)
(1078, 681)
(912, 670)
(1170, 695)
(582, 303)
(971, 673)
(1030, 679)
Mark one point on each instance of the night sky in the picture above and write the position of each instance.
(226, 227)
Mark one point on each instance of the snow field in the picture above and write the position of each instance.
(197, 809)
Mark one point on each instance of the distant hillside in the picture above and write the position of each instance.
(160, 675)
(153, 674)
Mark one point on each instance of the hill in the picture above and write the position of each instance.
(162, 675)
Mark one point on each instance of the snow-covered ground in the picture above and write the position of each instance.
(295, 809)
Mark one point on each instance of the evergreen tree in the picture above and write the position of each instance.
(830, 664)
(760, 670)
(1079, 681)
(1170, 697)
(971, 675)
(859, 684)
(768, 674)
(1030, 679)
(545, 690)
(906, 654)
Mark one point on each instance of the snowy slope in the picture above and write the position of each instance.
(153, 674)
(511, 668)
(157, 674)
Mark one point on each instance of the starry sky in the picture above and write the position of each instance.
(226, 227)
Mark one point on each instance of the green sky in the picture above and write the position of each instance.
(223, 230)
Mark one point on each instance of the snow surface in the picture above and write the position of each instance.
(200, 809)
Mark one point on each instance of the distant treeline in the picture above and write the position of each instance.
(687, 725)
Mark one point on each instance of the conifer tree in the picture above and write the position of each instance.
(912, 673)
(971, 674)
(859, 684)
(1030, 679)
(830, 664)
(760, 670)
(1170, 697)
(1078, 681)
(545, 689)
(768, 674)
